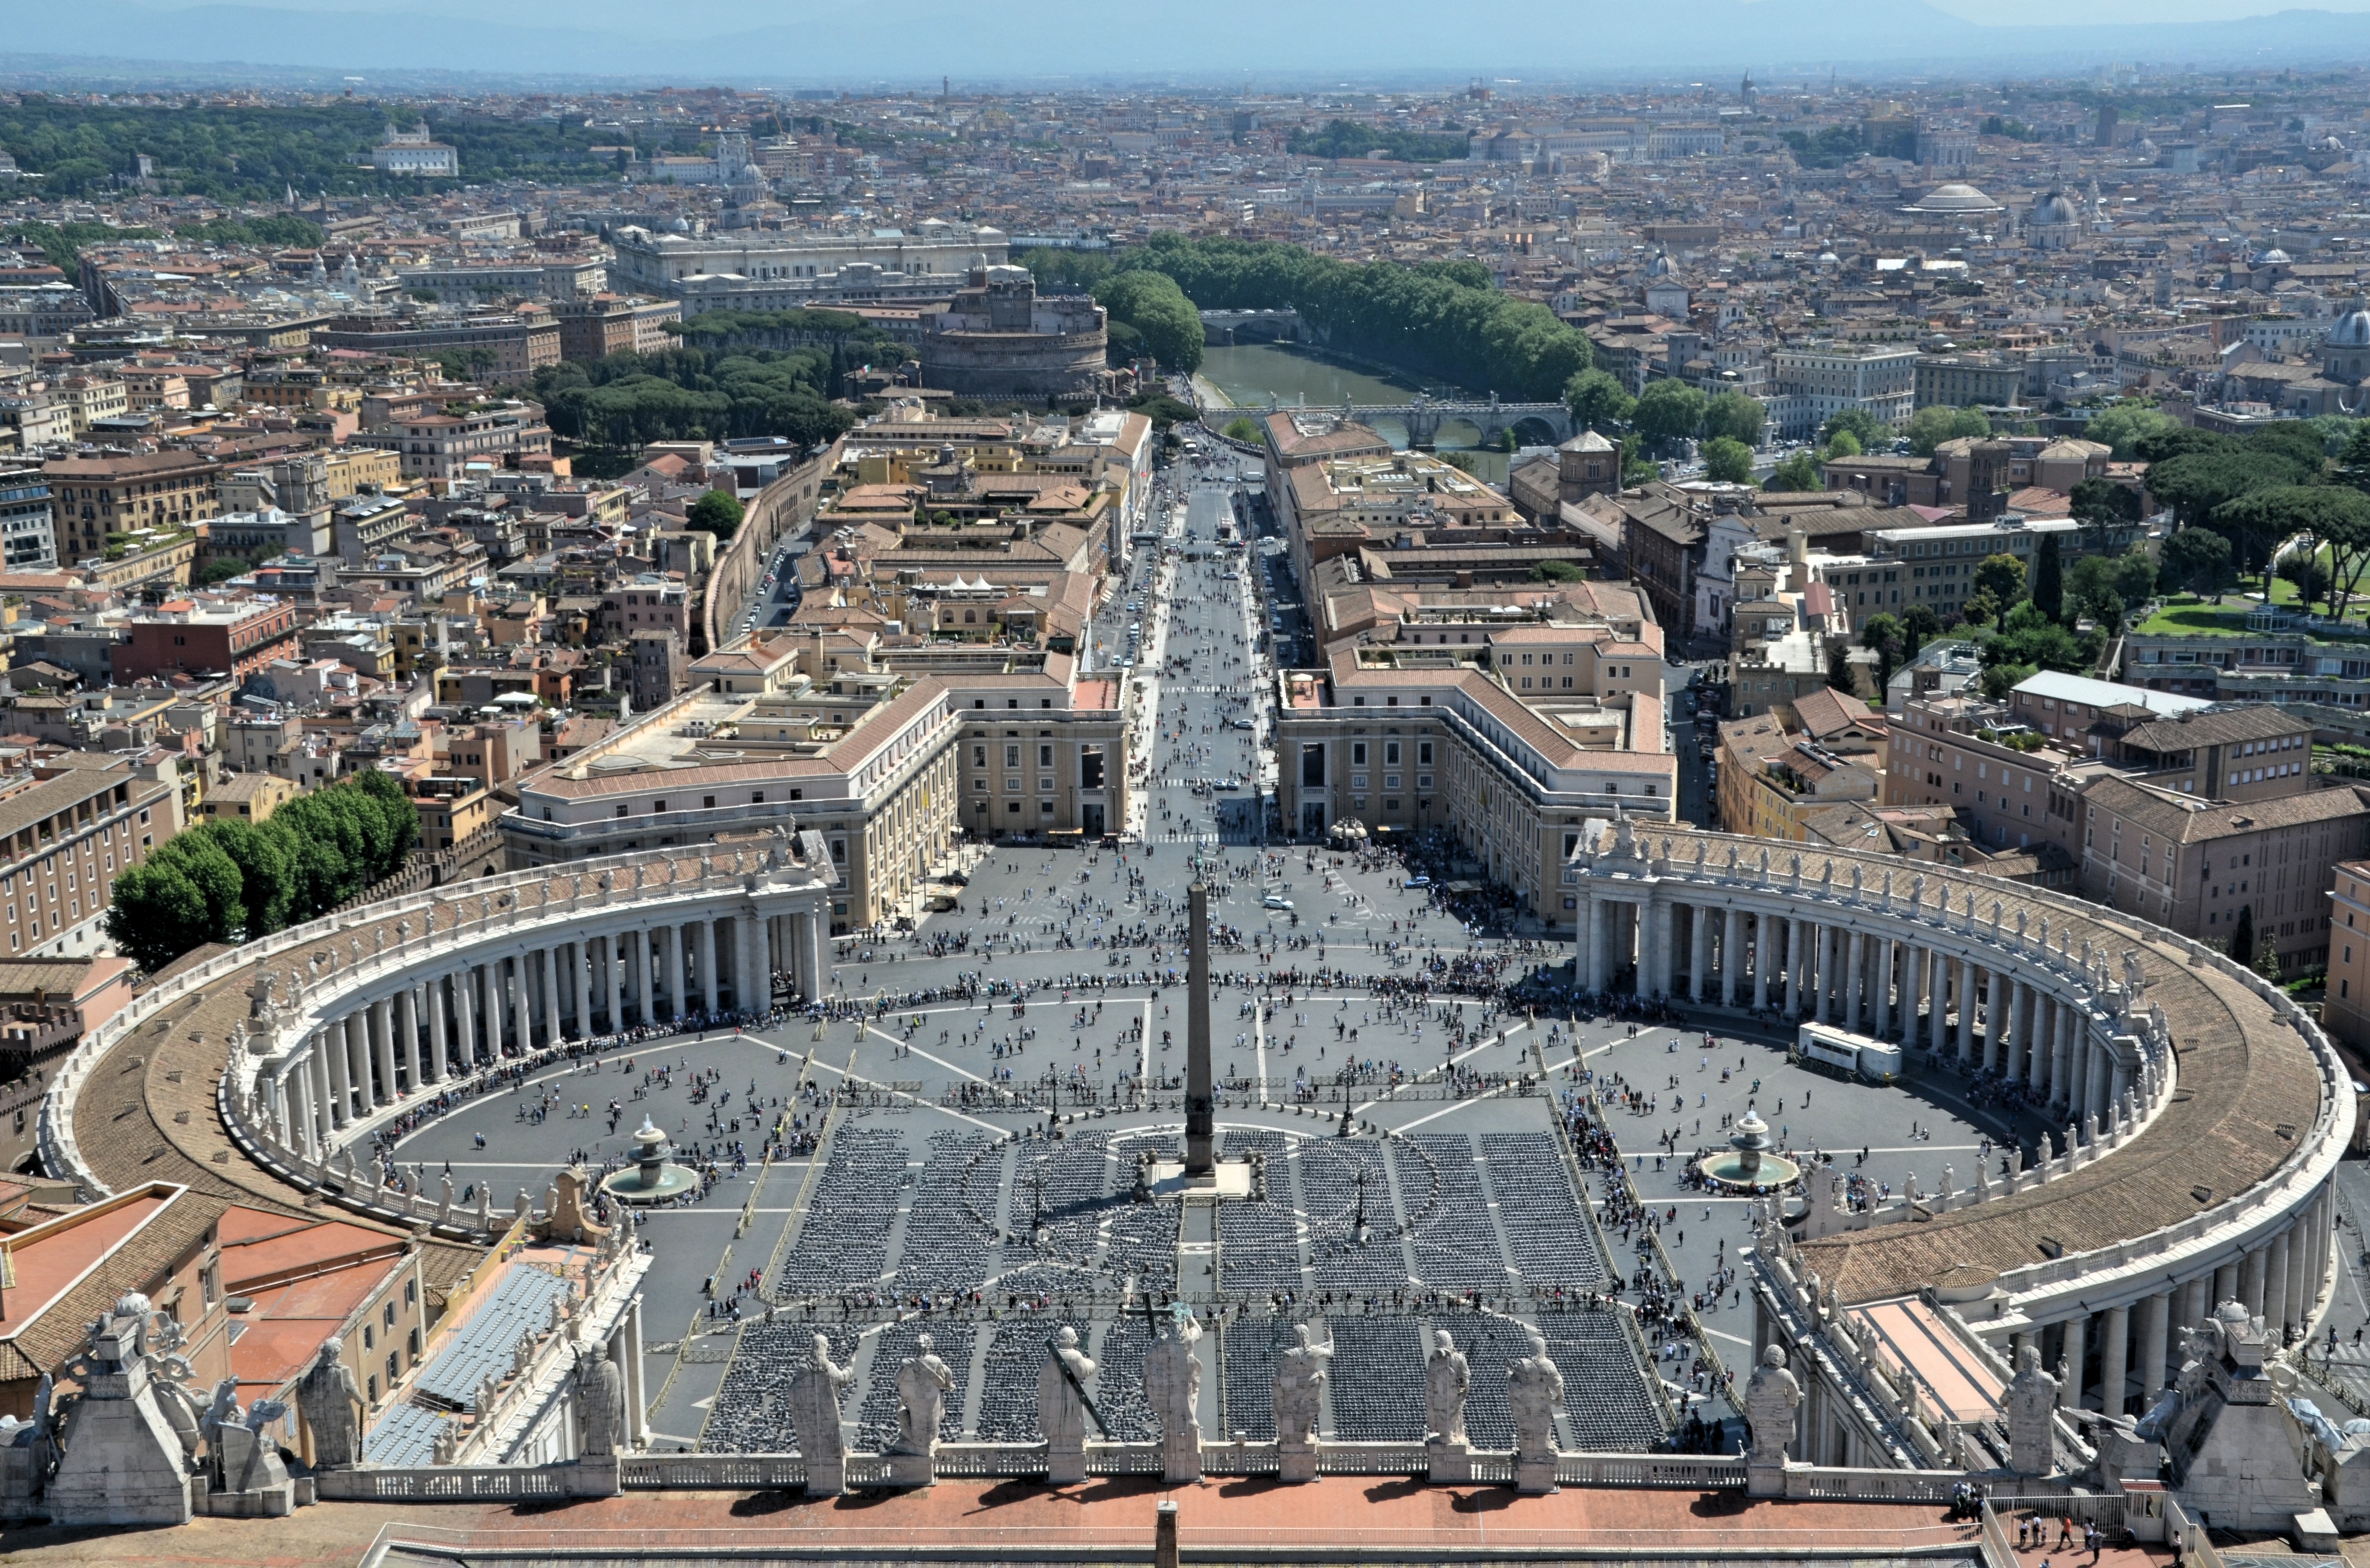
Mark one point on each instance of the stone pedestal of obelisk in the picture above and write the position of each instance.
(1200, 1155)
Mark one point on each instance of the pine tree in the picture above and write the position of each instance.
(2049, 580)
(2242, 940)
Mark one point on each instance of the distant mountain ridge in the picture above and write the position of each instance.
(1220, 39)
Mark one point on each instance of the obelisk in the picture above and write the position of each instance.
(1200, 1130)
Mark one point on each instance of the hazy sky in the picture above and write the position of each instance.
(2052, 13)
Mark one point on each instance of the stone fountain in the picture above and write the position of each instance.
(1751, 1164)
(651, 1178)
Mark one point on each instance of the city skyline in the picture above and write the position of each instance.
(1562, 45)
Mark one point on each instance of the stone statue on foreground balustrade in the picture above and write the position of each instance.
(1447, 1379)
(1534, 1390)
(329, 1401)
(1173, 1386)
(599, 1404)
(1771, 1397)
(127, 1455)
(922, 1386)
(814, 1413)
(2032, 1405)
(1298, 1397)
(1062, 1407)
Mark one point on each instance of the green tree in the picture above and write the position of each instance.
(1919, 626)
(2123, 425)
(1668, 412)
(2262, 520)
(2198, 560)
(266, 871)
(2301, 568)
(1929, 427)
(1558, 571)
(1796, 473)
(2242, 937)
(2104, 587)
(1842, 443)
(1596, 399)
(1882, 634)
(2001, 576)
(2049, 579)
(718, 512)
(1864, 426)
(1736, 415)
(2267, 959)
(1979, 608)
(2027, 637)
(157, 915)
(1839, 671)
(1152, 303)
(1242, 429)
(1728, 461)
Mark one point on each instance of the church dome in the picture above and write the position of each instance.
(2053, 209)
(1956, 197)
(2352, 328)
(1661, 267)
(2274, 256)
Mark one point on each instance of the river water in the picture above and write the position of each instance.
(1256, 375)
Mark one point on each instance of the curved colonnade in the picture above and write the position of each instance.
(313, 1038)
(2203, 1112)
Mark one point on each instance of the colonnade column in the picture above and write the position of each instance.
(465, 1016)
(2154, 1333)
(671, 937)
(380, 1027)
(1996, 986)
(2277, 1257)
(2069, 1392)
(2061, 1055)
(1966, 1010)
(1761, 929)
(521, 1000)
(609, 994)
(1794, 967)
(1731, 954)
(407, 1034)
(2250, 1285)
(437, 1038)
(707, 967)
(327, 1117)
(2116, 1324)
(1853, 944)
(490, 1013)
(555, 1029)
(341, 1092)
(1698, 954)
(1890, 951)
(296, 1090)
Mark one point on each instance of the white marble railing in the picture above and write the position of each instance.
(449, 919)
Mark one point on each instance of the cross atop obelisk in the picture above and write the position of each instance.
(1200, 1155)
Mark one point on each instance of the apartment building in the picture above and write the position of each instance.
(1813, 382)
(890, 766)
(2198, 865)
(209, 635)
(86, 819)
(1960, 381)
(93, 496)
(1483, 739)
(515, 345)
(2345, 1008)
(437, 446)
(28, 533)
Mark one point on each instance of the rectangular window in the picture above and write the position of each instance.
(1357, 753)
